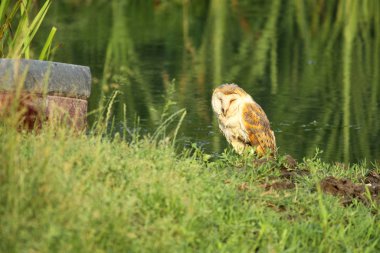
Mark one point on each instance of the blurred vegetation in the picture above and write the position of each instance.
(312, 65)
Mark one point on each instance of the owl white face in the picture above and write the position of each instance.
(223, 104)
(216, 102)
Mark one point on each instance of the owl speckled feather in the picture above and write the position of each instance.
(242, 121)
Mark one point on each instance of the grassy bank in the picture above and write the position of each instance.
(64, 192)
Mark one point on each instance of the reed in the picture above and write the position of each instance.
(19, 27)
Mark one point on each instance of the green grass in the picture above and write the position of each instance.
(68, 192)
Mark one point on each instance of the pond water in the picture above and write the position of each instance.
(312, 65)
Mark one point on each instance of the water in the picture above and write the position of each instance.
(315, 73)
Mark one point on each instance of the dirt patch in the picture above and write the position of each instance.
(349, 191)
(243, 187)
(366, 192)
(264, 160)
(280, 185)
(277, 208)
(372, 178)
(289, 168)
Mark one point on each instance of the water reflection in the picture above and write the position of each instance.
(312, 65)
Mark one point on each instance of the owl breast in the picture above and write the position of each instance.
(233, 128)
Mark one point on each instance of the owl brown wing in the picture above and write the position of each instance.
(258, 129)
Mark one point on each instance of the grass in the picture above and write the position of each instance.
(67, 192)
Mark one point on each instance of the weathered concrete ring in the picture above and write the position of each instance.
(49, 89)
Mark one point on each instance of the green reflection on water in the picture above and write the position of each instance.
(312, 65)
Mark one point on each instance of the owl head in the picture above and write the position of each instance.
(227, 98)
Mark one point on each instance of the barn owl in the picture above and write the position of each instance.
(242, 121)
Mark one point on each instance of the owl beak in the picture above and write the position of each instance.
(225, 105)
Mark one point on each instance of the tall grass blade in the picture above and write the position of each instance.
(160, 131)
(35, 25)
(47, 46)
(178, 126)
